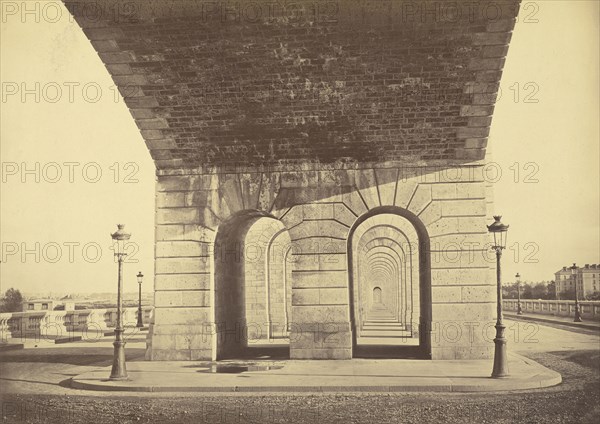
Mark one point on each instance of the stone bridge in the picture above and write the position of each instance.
(319, 169)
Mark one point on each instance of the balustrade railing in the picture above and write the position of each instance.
(87, 323)
(588, 309)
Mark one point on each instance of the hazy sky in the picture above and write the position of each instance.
(545, 127)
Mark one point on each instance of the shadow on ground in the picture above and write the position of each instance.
(99, 357)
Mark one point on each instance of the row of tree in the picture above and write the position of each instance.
(11, 301)
(545, 290)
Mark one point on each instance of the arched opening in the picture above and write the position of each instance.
(377, 296)
(252, 284)
(390, 284)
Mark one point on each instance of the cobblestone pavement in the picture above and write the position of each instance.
(576, 400)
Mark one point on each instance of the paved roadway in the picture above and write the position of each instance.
(44, 367)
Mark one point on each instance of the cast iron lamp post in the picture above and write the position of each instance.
(577, 311)
(140, 276)
(499, 230)
(519, 310)
(119, 370)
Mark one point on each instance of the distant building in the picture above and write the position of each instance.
(586, 277)
(37, 305)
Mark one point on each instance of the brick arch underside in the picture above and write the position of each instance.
(362, 85)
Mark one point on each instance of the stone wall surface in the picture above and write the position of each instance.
(318, 209)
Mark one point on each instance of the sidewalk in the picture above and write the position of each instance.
(551, 319)
(356, 375)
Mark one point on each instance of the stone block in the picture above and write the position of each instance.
(105, 33)
(119, 69)
(321, 354)
(307, 262)
(480, 121)
(333, 296)
(163, 341)
(472, 224)
(167, 249)
(501, 25)
(200, 281)
(477, 110)
(269, 190)
(330, 336)
(387, 179)
(447, 294)
(431, 213)
(491, 38)
(130, 80)
(186, 182)
(333, 261)
(117, 57)
(305, 297)
(463, 207)
(470, 191)
(478, 64)
(421, 199)
(442, 226)
(180, 265)
(169, 232)
(318, 279)
(192, 342)
(479, 293)
(353, 201)
(250, 185)
(447, 257)
(170, 199)
(160, 146)
(155, 124)
(336, 177)
(470, 132)
(476, 143)
(317, 245)
(495, 51)
(469, 154)
(177, 216)
(188, 298)
(366, 183)
(200, 316)
(299, 179)
(323, 314)
(316, 211)
(102, 46)
(463, 313)
(443, 191)
(344, 215)
(405, 192)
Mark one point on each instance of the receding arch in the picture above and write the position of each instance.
(246, 302)
(424, 273)
(377, 294)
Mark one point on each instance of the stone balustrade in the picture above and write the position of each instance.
(588, 309)
(87, 323)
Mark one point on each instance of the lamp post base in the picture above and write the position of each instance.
(119, 369)
(139, 319)
(500, 356)
(577, 313)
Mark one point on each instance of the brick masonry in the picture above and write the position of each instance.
(313, 113)
(259, 83)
